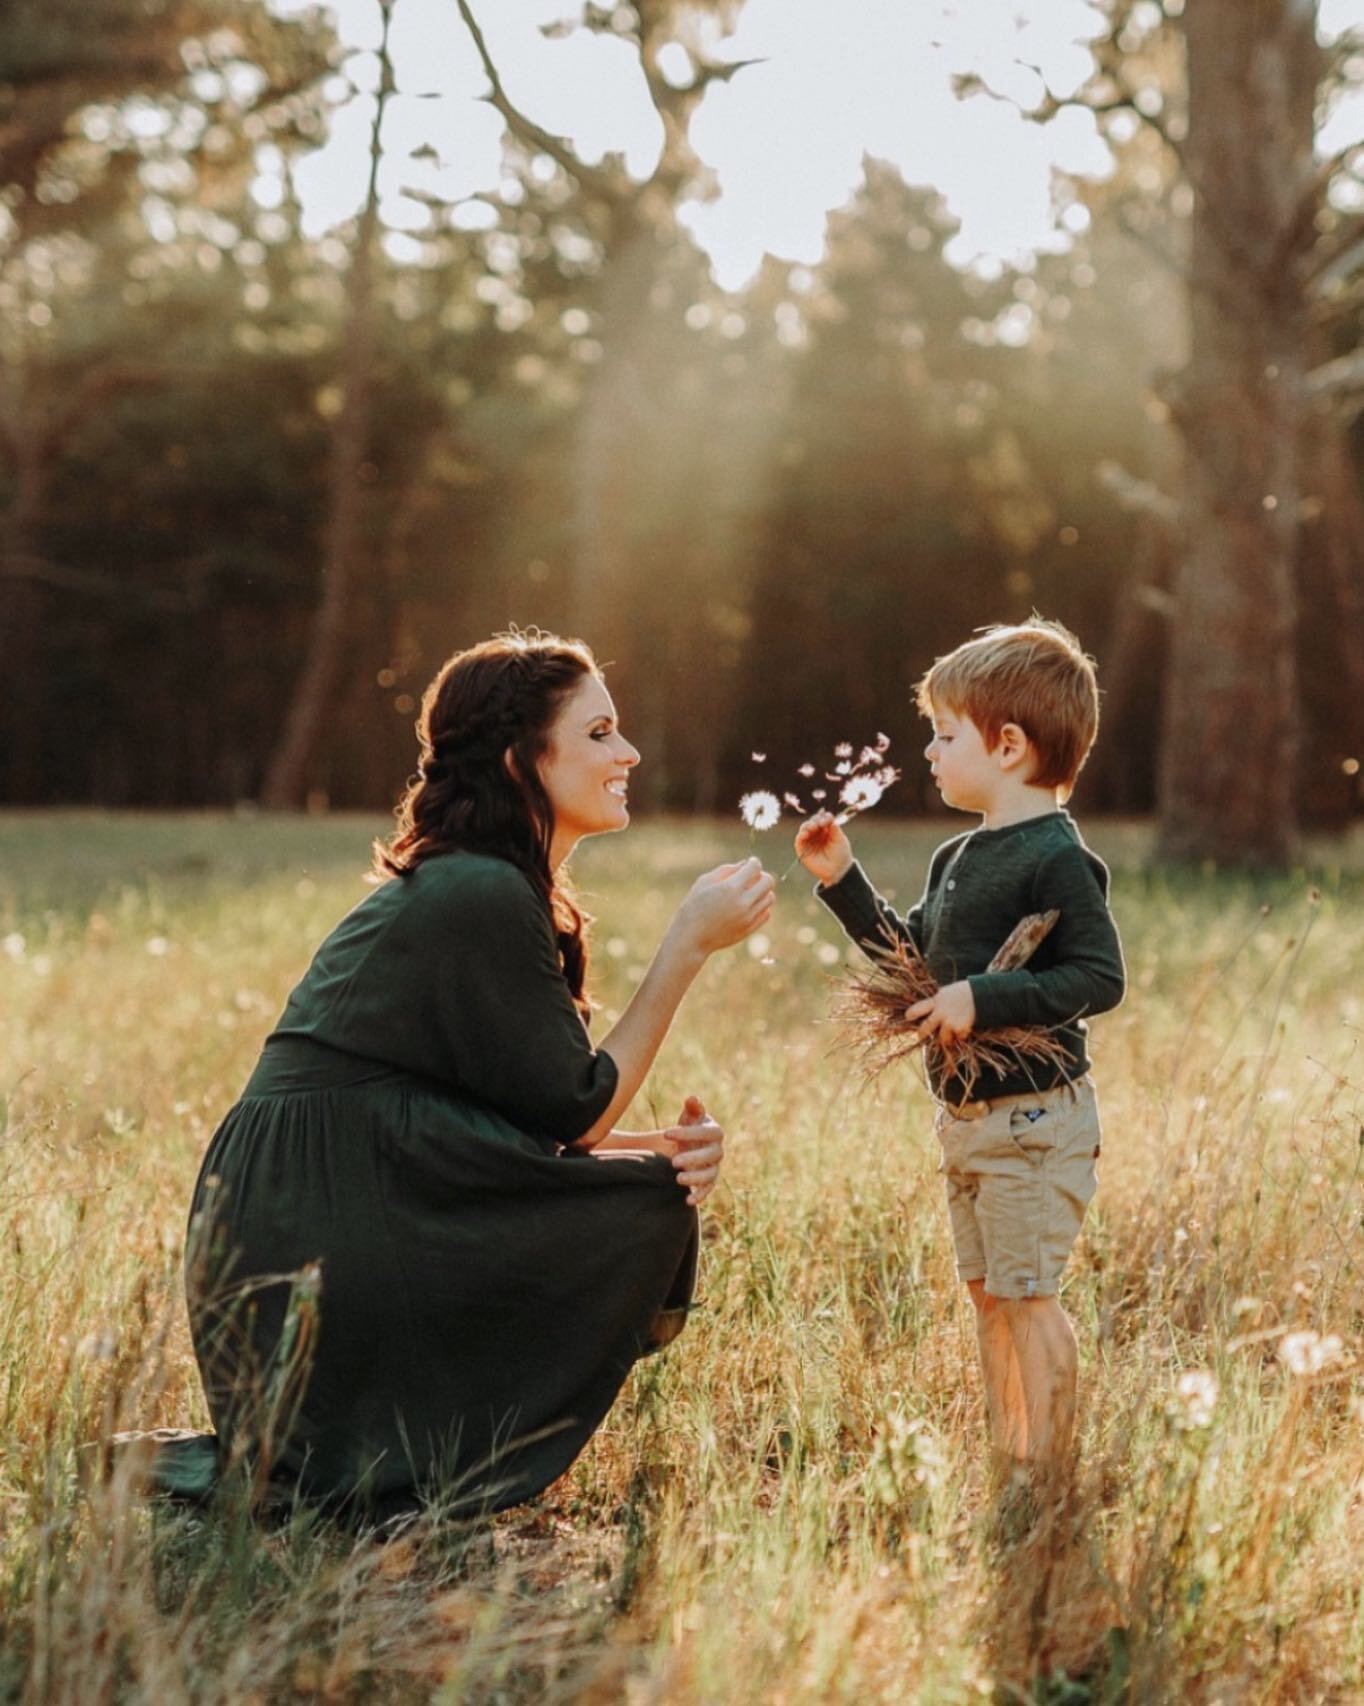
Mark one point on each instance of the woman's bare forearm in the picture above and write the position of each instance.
(636, 1037)
(648, 1142)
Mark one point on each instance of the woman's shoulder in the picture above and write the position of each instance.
(466, 880)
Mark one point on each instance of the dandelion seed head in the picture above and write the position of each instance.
(1196, 1398)
(760, 810)
(859, 792)
(1306, 1352)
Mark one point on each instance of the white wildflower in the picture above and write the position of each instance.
(1307, 1352)
(1196, 1395)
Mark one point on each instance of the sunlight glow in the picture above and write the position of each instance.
(840, 79)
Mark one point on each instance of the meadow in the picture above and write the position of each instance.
(790, 1505)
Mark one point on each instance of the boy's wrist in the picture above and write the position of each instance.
(837, 875)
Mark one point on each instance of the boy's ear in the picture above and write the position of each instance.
(1012, 746)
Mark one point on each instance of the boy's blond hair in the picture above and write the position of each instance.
(1033, 673)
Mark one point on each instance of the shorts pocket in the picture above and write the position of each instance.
(1034, 1130)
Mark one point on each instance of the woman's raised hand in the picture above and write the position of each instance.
(725, 905)
(697, 1145)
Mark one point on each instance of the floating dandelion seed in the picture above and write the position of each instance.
(819, 793)
(794, 803)
(759, 758)
(760, 810)
(843, 749)
(882, 742)
(806, 770)
(843, 768)
(1307, 1353)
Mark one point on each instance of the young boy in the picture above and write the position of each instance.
(1015, 712)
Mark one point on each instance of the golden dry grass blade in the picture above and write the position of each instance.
(870, 1015)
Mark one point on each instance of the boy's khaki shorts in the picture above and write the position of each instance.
(1020, 1173)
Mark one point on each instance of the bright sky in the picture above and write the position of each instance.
(786, 138)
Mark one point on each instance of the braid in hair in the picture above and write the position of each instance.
(484, 725)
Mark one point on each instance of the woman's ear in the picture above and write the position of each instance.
(512, 767)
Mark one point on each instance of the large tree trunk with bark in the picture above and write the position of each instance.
(1228, 784)
(289, 776)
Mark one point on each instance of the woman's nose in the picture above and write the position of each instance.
(630, 756)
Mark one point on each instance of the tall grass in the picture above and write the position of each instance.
(792, 1504)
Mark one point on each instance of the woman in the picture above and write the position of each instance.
(423, 1259)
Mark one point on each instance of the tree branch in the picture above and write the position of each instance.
(558, 148)
(1345, 373)
(1143, 497)
(1342, 259)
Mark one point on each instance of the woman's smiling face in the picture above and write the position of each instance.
(586, 769)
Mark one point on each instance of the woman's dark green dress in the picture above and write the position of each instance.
(399, 1286)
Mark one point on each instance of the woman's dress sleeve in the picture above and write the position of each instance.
(515, 1039)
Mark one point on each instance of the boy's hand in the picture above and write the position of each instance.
(823, 849)
(946, 1016)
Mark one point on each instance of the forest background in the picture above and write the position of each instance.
(257, 482)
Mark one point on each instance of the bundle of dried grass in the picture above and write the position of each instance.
(871, 1007)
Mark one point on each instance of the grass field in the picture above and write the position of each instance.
(790, 1505)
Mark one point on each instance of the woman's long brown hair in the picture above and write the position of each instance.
(490, 704)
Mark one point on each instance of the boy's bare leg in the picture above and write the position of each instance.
(1005, 1395)
(1044, 1345)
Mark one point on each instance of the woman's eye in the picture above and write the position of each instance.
(600, 734)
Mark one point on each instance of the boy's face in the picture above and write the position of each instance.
(968, 775)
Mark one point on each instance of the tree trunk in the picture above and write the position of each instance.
(1331, 645)
(288, 778)
(23, 623)
(1228, 783)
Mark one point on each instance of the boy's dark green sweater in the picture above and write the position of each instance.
(979, 886)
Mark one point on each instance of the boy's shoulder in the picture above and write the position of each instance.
(1051, 840)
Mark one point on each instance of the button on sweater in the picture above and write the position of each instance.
(979, 886)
